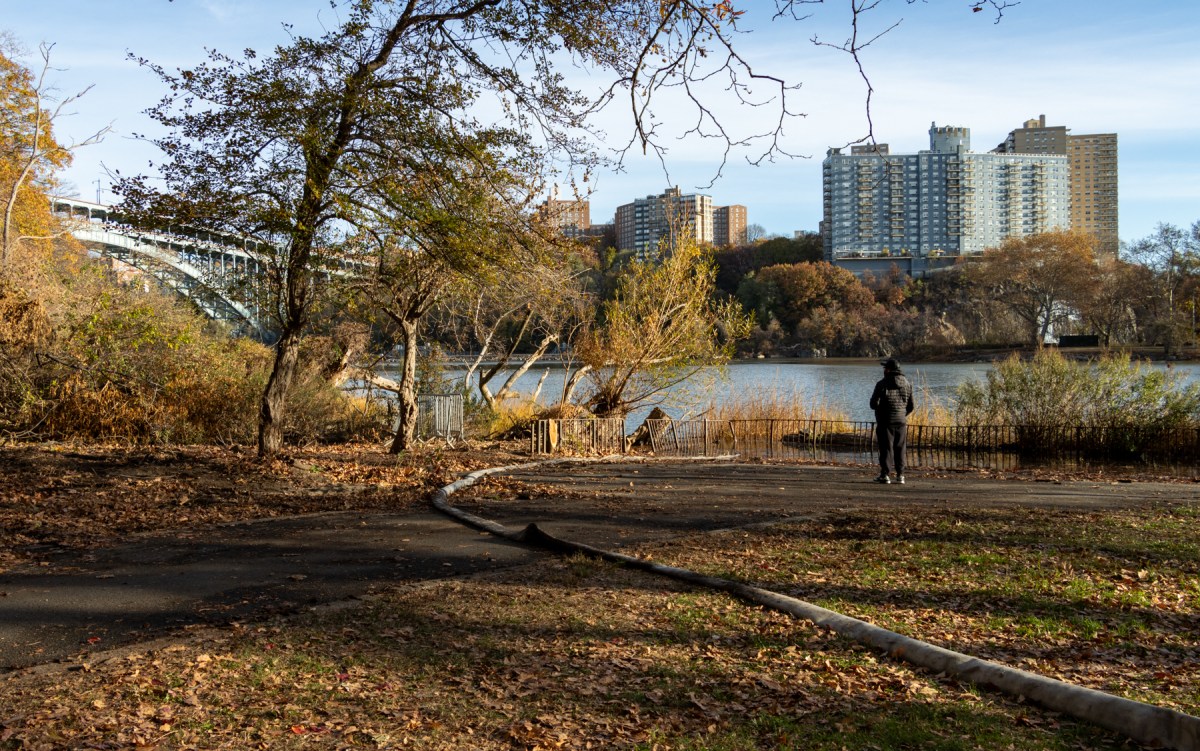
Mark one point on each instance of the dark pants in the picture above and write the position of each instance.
(893, 439)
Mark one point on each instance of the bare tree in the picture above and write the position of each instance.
(511, 320)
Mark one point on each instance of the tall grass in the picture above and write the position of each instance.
(775, 404)
(929, 409)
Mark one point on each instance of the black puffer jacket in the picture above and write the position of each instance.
(892, 399)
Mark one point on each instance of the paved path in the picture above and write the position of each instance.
(152, 585)
(605, 504)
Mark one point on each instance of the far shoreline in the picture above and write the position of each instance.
(1189, 355)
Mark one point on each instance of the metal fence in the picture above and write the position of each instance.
(579, 436)
(440, 416)
(935, 446)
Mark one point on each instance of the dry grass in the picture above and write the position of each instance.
(929, 410)
(775, 404)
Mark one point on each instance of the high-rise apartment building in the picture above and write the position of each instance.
(1093, 163)
(572, 218)
(669, 216)
(945, 201)
(729, 225)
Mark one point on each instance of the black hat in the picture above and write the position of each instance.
(890, 364)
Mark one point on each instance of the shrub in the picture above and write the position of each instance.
(85, 358)
(24, 330)
(1111, 405)
(141, 367)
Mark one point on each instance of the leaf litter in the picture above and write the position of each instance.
(575, 654)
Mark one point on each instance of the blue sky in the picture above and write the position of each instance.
(1095, 66)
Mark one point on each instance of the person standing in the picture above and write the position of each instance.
(892, 401)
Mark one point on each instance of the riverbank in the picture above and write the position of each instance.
(1189, 355)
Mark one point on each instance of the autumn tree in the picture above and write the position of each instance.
(662, 325)
(792, 292)
(1116, 307)
(288, 149)
(29, 153)
(1042, 278)
(1172, 255)
(734, 264)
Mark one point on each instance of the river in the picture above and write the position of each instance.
(842, 385)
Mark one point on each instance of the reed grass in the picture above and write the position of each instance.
(774, 403)
(928, 408)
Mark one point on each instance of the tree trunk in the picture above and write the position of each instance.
(501, 361)
(537, 392)
(406, 421)
(525, 366)
(270, 417)
(572, 383)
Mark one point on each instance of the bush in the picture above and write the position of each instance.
(85, 358)
(1112, 405)
(140, 367)
(24, 331)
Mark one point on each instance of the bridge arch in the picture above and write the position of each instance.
(193, 264)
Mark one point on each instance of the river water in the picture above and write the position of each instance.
(842, 385)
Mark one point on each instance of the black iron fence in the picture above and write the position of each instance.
(929, 445)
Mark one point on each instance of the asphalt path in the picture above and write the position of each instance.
(76, 604)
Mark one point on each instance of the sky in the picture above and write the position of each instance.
(1130, 67)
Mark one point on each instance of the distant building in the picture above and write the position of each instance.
(1093, 164)
(729, 225)
(572, 218)
(921, 210)
(600, 230)
(645, 223)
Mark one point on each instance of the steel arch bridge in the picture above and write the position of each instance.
(195, 265)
